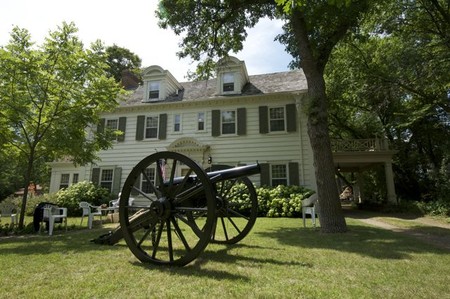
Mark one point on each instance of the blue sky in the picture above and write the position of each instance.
(132, 24)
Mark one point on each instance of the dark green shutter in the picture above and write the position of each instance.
(140, 127)
(241, 121)
(95, 176)
(101, 126)
(263, 119)
(162, 133)
(294, 178)
(215, 123)
(116, 180)
(265, 174)
(122, 127)
(291, 115)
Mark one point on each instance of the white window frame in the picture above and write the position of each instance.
(277, 119)
(222, 123)
(112, 128)
(153, 86)
(276, 177)
(75, 178)
(175, 123)
(146, 127)
(71, 178)
(103, 181)
(203, 121)
(64, 183)
(228, 80)
(143, 180)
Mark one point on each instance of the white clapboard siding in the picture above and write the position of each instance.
(277, 147)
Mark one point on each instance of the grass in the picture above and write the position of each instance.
(278, 259)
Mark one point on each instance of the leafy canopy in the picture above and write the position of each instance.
(52, 93)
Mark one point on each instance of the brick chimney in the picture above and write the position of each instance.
(129, 80)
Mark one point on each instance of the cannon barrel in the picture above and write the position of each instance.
(225, 174)
(234, 173)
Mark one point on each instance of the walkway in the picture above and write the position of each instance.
(426, 229)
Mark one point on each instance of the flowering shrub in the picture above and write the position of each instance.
(281, 201)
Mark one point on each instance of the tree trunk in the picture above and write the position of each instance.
(331, 216)
(25, 190)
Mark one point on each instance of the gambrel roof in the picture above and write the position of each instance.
(281, 82)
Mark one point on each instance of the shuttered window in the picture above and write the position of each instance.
(279, 174)
(229, 122)
(151, 127)
(277, 119)
(108, 177)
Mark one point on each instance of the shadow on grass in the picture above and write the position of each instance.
(199, 266)
(363, 240)
(77, 240)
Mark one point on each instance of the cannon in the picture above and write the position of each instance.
(186, 208)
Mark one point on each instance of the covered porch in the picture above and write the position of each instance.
(359, 155)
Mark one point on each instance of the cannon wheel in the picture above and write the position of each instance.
(237, 208)
(176, 224)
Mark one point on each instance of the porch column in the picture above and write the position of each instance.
(391, 195)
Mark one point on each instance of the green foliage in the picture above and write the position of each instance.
(281, 201)
(390, 79)
(50, 95)
(120, 59)
(434, 208)
(82, 191)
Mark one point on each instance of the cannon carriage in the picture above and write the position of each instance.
(188, 208)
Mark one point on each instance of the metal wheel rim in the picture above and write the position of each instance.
(162, 232)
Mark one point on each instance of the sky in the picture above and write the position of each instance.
(133, 25)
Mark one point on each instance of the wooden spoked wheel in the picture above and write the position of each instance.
(237, 209)
(173, 219)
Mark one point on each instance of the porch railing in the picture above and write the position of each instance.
(359, 145)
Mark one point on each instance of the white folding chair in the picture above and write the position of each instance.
(309, 207)
(90, 211)
(51, 214)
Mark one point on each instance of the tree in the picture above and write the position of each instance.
(50, 95)
(120, 59)
(211, 29)
(394, 73)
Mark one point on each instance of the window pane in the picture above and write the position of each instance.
(75, 178)
(276, 119)
(151, 130)
(177, 123)
(201, 121)
(106, 178)
(279, 174)
(228, 82)
(112, 124)
(150, 172)
(64, 183)
(153, 88)
(228, 122)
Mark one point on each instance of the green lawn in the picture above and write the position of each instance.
(278, 259)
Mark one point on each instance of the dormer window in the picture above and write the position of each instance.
(228, 82)
(159, 85)
(153, 90)
(231, 76)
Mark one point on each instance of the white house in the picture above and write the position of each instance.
(233, 119)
